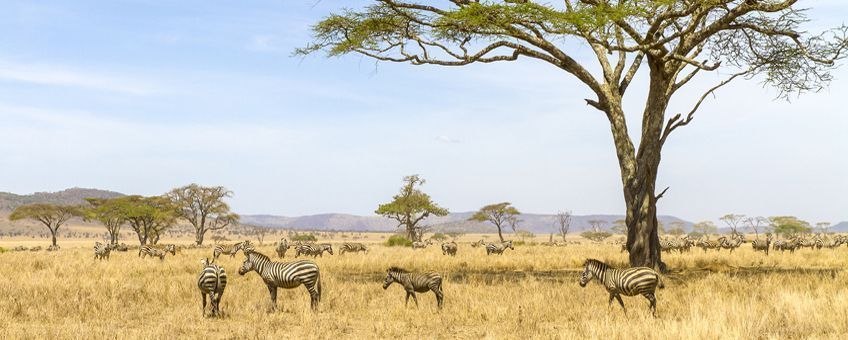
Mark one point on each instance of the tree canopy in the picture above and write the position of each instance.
(411, 206)
(204, 208)
(789, 226)
(108, 212)
(148, 217)
(50, 215)
(499, 214)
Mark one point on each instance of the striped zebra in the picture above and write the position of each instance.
(282, 248)
(735, 242)
(54, 247)
(762, 245)
(314, 250)
(449, 249)
(212, 281)
(784, 245)
(353, 248)
(421, 245)
(416, 282)
(492, 248)
(101, 251)
(706, 244)
(121, 247)
(155, 250)
(478, 244)
(284, 275)
(667, 246)
(630, 282)
(231, 250)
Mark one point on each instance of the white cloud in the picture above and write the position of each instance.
(55, 75)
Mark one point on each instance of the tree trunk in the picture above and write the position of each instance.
(500, 235)
(53, 233)
(199, 238)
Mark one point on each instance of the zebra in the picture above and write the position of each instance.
(353, 248)
(212, 281)
(416, 282)
(54, 247)
(422, 245)
(668, 245)
(120, 247)
(101, 251)
(36, 248)
(630, 282)
(284, 275)
(449, 249)
(784, 245)
(227, 249)
(153, 252)
(314, 250)
(492, 248)
(760, 245)
(282, 248)
(478, 243)
(708, 244)
(735, 242)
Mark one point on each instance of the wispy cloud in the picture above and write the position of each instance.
(56, 75)
(447, 139)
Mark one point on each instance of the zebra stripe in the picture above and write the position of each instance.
(421, 245)
(152, 251)
(282, 248)
(352, 248)
(231, 250)
(631, 281)
(101, 251)
(284, 275)
(212, 281)
(761, 245)
(314, 250)
(416, 282)
(492, 248)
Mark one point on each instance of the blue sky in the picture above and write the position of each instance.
(143, 96)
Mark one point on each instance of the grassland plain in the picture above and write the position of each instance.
(531, 292)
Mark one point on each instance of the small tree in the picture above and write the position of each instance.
(259, 232)
(756, 224)
(51, 215)
(563, 222)
(454, 235)
(705, 227)
(789, 226)
(597, 225)
(204, 208)
(108, 213)
(411, 206)
(438, 237)
(524, 235)
(823, 226)
(732, 221)
(499, 214)
(677, 231)
(596, 236)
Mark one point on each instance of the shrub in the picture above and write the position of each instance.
(398, 241)
(596, 236)
(304, 237)
(438, 237)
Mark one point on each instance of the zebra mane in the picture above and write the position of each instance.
(394, 269)
(598, 264)
(260, 255)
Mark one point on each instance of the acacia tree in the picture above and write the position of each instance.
(108, 213)
(732, 221)
(756, 224)
(563, 220)
(705, 228)
(822, 226)
(499, 214)
(411, 206)
(51, 215)
(204, 208)
(597, 225)
(677, 40)
(148, 217)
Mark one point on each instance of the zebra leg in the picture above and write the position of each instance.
(653, 300)
(406, 302)
(273, 291)
(218, 302)
(440, 297)
(203, 310)
(612, 296)
(415, 298)
(620, 302)
(314, 295)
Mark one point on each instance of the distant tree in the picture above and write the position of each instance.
(303, 237)
(148, 217)
(789, 226)
(597, 225)
(732, 221)
(259, 232)
(756, 224)
(52, 216)
(499, 214)
(677, 231)
(563, 221)
(454, 235)
(438, 237)
(411, 206)
(705, 227)
(204, 208)
(596, 236)
(619, 227)
(108, 213)
(524, 235)
(823, 226)
(676, 41)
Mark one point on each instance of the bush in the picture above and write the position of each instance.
(398, 241)
(596, 236)
(304, 237)
(438, 237)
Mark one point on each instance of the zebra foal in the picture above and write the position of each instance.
(631, 281)
(415, 282)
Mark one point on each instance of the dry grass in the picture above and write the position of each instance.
(531, 292)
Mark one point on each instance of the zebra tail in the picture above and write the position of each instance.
(319, 286)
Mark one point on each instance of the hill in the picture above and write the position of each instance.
(73, 196)
(840, 227)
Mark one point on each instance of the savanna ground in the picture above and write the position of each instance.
(531, 292)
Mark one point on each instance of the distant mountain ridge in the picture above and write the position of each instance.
(72, 196)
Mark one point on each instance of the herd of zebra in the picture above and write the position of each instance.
(684, 244)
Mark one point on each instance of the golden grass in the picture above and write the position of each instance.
(529, 293)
